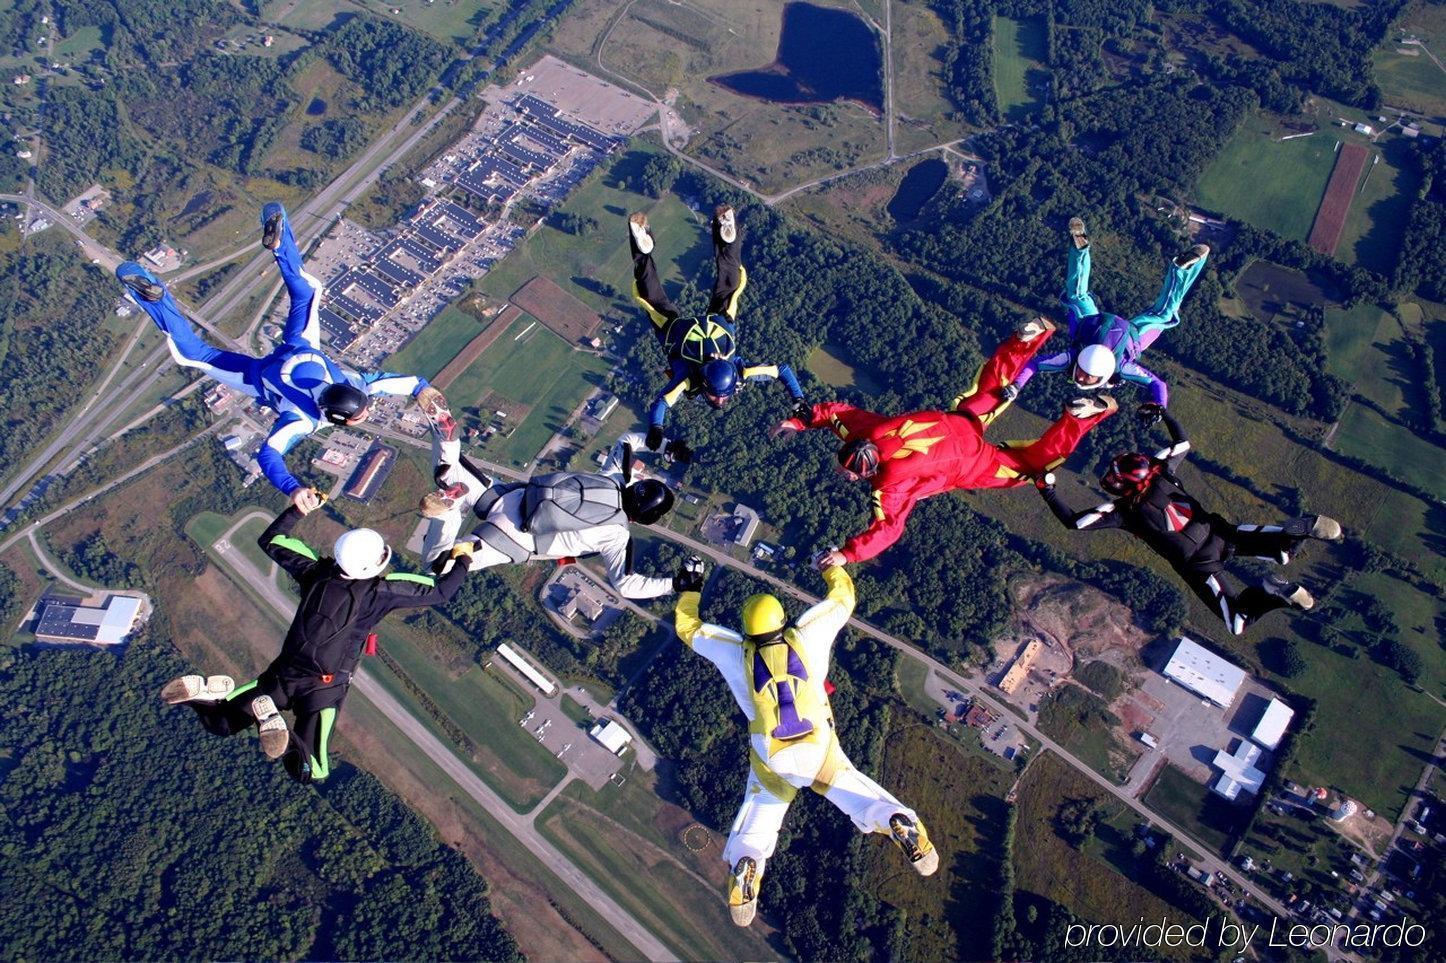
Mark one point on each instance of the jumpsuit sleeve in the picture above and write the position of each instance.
(1136, 373)
(842, 418)
(891, 510)
(292, 554)
(821, 624)
(1174, 456)
(617, 555)
(289, 429)
(1091, 519)
(403, 590)
(621, 453)
(672, 391)
(770, 372)
(384, 383)
(686, 620)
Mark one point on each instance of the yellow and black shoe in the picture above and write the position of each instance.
(909, 835)
(743, 891)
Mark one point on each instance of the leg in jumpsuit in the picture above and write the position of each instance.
(1177, 283)
(1205, 572)
(983, 399)
(190, 350)
(314, 707)
(303, 327)
(1076, 294)
(729, 280)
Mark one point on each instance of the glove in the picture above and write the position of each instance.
(1045, 482)
(654, 440)
(1009, 392)
(802, 412)
(679, 452)
(1149, 413)
(689, 577)
(827, 558)
(464, 549)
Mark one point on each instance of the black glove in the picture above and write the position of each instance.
(655, 437)
(1149, 414)
(803, 411)
(689, 578)
(679, 452)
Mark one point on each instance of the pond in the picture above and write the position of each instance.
(824, 55)
(917, 188)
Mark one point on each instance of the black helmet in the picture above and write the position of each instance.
(1128, 474)
(339, 403)
(860, 456)
(647, 501)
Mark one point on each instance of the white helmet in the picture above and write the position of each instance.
(1095, 361)
(362, 553)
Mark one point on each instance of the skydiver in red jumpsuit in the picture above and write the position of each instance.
(911, 457)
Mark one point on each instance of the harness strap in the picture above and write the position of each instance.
(769, 779)
(834, 762)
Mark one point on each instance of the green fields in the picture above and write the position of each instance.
(1365, 434)
(1194, 808)
(1349, 334)
(528, 365)
(1019, 73)
(828, 365)
(1409, 78)
(79, 45)
(921, 89)
(1381, 209)
(437, 343)
(1271, 184)
(450, 21)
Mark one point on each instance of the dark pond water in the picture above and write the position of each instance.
(823, 55)
(917, 188)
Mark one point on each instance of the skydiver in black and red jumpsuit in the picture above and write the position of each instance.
(1152, 504)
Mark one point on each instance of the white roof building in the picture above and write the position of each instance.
(1271, 727)
(1204, 673)
(515, 659)
(612, 736)
(106, 625)
(1238, 770)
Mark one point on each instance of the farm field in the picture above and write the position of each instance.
(450, 21)
(1406, 75)
(828, 365)
(437, 343)
(1019, 55)
(1194, 808)
(1381, 208)
(1399, 449)
(921, 99)
(1270, 184)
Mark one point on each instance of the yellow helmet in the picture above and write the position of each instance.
(763, 615)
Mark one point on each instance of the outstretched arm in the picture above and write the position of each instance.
(822, 623)
(403, 590)
(617, 555)
(382, 383)
(1173, 456)
(289, 429)
(292, 554)
(891, 511)
(1136, 373)
(770, 372)
(1091, 519)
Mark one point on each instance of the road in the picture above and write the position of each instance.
(520, 826)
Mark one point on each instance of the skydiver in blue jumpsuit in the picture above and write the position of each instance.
(702, 358)
(297, 380)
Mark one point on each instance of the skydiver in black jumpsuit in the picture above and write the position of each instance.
(319, 655)
(1152, 504)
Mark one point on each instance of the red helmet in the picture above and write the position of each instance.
(860, 456)
(1128, 474)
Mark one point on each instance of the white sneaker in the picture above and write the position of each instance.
(638, 225)
(1077, 234)
(195, 688)
(727, 225)
(743, 891)
(1320, 527)
(1034, 327)
(434, 406)
(1292, 592)
(271, 727)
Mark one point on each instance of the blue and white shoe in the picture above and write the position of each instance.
(140, 282)
(273, 221)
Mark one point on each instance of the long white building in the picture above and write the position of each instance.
(1204, 673)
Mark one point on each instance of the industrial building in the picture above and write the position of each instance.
(66, 620)
(371, 472)
(513, 658)
(613, 737)
(1238, 770)
(1020, 669)
(1204, 673)
(1272, 725)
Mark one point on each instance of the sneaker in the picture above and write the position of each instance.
(195, 688)
(1009, 392)
(434, 405)
(638, 226)
(271, 726)
(140, 282)
(1034, 327)
(727, 226)
(1193, 256)
(1292, 592)
(1320, 527)
(273, 217)
(909, 835)
(438, 503)
(743, 891)
(1087, 406)
(1077, 234)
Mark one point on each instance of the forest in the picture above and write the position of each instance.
(135, 835)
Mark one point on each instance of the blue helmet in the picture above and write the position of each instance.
(720, 382)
